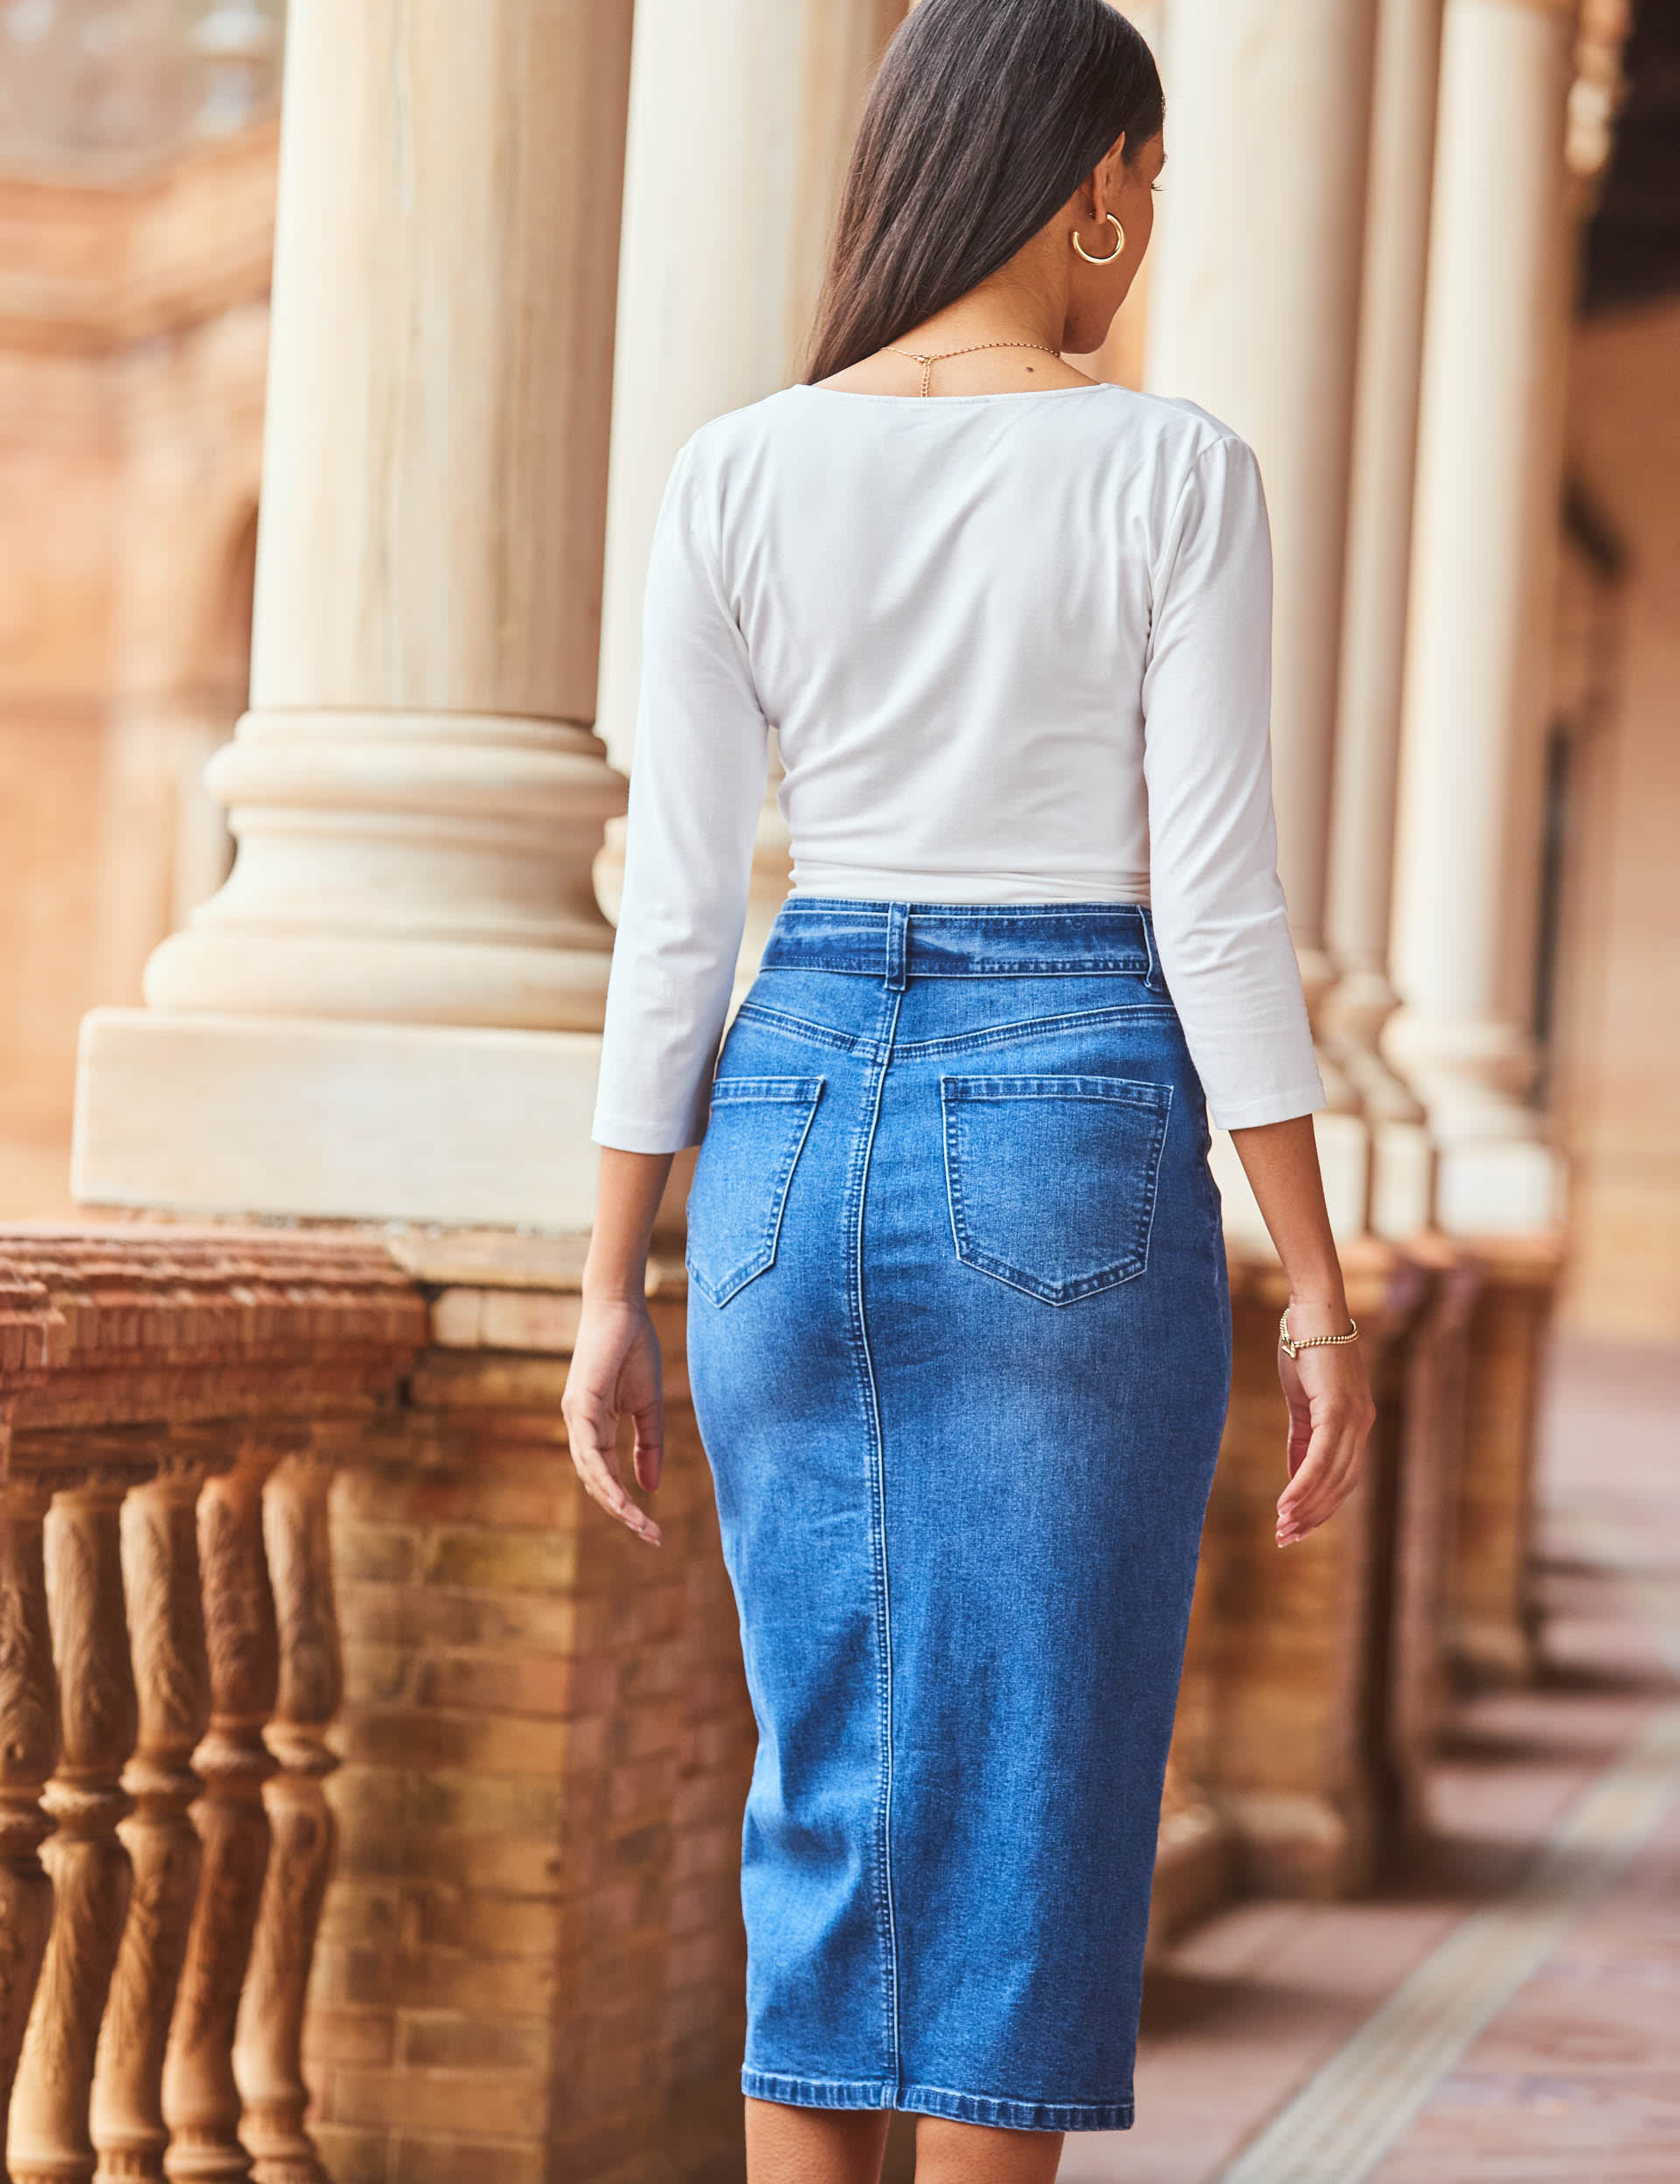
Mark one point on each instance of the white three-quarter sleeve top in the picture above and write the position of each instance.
(1016, 648)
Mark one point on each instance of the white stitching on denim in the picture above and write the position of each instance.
(799, 906)
(818, 955)
(802, 1027)
(1158, 1155)
(918, 2097)
(1022, 1027)
(742, 1091)
(785, 1183)
(955, 1094)
(762, 1258)
(1005, 2100)
(1050, 1084)
(875, 2094)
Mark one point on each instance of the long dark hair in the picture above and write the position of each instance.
(986, 114)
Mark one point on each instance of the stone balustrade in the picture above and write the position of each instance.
(1490, 1619)
(462, 1890)
(1282, 1733)
(172, 1405)
(1314, 1682)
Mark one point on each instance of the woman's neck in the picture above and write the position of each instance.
(1002, 338)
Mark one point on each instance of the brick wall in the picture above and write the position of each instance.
(532, 1963)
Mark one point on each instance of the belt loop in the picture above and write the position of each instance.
(897, 938)
(1153, 982)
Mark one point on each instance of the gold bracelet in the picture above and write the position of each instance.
(1293, 1348)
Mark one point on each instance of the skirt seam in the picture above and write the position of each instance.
(882, 1587)
(803, 1028)
(1024, 1030)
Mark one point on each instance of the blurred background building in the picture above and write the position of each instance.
(378, 493)
(137, 147)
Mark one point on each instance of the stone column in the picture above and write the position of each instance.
(1254, 312)
(1374, 610)
(753, 103)
(1488, 465)
(388, 1009)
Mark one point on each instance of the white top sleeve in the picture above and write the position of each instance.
(696, 788)
(1219, 918)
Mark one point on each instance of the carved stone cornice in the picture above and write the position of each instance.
(28, 1327)
(109, 1459)
(133, 1324)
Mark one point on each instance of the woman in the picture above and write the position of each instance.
(959, 1333)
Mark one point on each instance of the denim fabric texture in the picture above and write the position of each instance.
(959, 1341)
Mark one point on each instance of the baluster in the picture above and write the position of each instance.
(28, 1751)
(201, 2103)
(49, 2139)
(268, 2053)
(160, 1570)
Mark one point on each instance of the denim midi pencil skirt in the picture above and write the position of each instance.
(959, 1341)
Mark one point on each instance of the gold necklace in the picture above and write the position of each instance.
(944, 356)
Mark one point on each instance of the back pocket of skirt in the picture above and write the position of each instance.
(1052, 1179)
(753, 1141)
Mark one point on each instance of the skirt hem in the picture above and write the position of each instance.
(936, 2100)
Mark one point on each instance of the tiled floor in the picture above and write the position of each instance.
(1577, 2078)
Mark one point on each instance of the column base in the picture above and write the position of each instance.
(1345, 1158)
(1403, 1179)
(1301, 1843)
(327, 1120)
(1500, 1188)
(1491, 1655)
(1192, 1862)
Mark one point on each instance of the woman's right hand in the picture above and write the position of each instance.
(616, 1371)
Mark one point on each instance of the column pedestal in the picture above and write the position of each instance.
(1495, 1175)
(324, 1120)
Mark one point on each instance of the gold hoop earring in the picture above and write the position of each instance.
(1119, 244)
